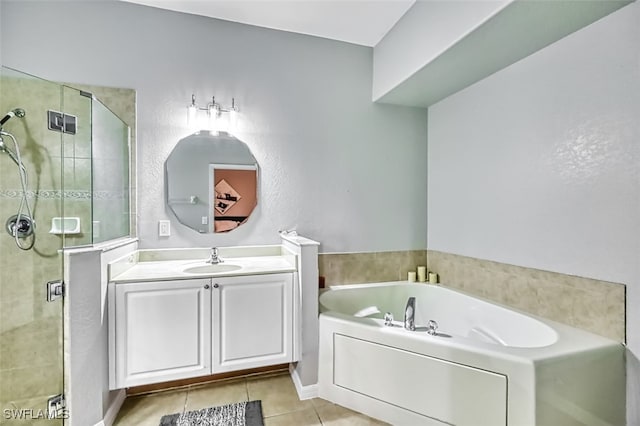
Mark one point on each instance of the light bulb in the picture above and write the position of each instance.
(233, 121)
(213, 117)
(191, 114)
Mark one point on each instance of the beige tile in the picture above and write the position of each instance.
(335, 415)
(596, 306)
(24, 383)
(307, 417)
(319, 402)
(278, 395)
(148, 410)
(213, 395)
(615, 314)
(394, 265)
(355, 268)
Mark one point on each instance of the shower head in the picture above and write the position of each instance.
(16, 112)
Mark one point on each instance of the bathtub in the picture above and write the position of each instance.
(486, 365)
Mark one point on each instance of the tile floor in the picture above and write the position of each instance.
(280, 404)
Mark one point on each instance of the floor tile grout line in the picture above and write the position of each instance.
(315, 409)
(186, 400)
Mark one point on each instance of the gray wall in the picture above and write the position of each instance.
(545, 171)
(342, 170)
(423, 34)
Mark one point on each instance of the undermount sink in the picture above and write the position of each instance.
(210, 268)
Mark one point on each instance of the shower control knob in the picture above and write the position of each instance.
(20, 227)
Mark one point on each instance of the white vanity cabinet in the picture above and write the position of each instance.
(182, 328)
(162, 331)
(252, 321)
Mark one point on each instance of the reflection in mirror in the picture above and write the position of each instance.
(233, 192)
(211, 182)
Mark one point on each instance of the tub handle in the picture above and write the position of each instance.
(388, 319)
(432, 327)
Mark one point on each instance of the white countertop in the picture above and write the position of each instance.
(145, 267)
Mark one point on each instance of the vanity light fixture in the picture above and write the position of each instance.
(214, 112)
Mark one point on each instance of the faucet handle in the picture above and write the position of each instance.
(388, 319)
(432, 327)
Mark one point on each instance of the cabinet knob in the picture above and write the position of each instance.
(216, 285)
(206, 287)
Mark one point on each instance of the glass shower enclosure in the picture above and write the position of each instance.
(64, 179)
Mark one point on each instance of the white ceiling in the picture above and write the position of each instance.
(362, 22)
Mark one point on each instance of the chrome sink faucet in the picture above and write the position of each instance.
(409, 314)
(215, 258)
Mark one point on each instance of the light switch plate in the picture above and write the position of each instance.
(164, 228)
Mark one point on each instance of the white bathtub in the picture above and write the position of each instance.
(486, 366)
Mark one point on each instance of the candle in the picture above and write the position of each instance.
(411, 276)
(422, 274)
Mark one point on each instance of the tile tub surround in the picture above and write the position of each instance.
(368, 267)
(592, 305)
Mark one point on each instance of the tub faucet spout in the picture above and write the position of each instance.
(409, 314)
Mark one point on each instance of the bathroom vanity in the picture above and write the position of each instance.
(174, 315)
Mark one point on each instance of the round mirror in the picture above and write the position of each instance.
(211, 182)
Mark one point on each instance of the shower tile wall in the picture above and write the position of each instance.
(30, 328)
(123, 103)
(592, 305)
(79, 155)
(110, 175)
(77, 166)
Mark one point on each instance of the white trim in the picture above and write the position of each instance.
(304, 392)
(114, 409)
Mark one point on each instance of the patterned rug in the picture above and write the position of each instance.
(238, 414)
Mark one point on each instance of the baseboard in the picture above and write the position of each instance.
(304, 392)
(114, 409)
(182, 383)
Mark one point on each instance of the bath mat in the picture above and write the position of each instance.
(238, 414)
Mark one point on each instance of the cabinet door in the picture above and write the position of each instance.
(252, 321)
(163, 331)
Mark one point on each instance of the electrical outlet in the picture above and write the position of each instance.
(164, 228)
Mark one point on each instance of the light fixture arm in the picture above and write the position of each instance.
(214, 109)
(213, 105)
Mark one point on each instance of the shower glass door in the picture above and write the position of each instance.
(110, 210)
(31, 328)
